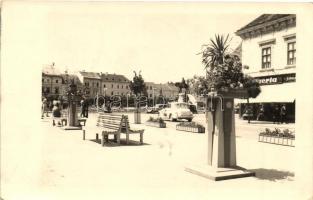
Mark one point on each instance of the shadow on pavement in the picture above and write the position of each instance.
(111, 143)
(272, 174)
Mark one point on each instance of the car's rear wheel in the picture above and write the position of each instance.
(172, 119)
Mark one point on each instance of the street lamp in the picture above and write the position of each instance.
(153, 96)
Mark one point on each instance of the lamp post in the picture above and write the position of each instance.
(153, 96)
(127, 101)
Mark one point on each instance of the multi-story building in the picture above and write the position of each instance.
(269, 55)
(114, 84)
(165, 90)
(51, 82)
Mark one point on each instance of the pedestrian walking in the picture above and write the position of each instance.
(44, 108)
(261, 113)
(82, 108)
(276, 114)
(56, 113)
(85, 108)
(283, 114)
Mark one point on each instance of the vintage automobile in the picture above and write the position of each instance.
(176, 111)
(156, 108)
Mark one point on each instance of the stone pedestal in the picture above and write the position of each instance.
(221, 157)
(72, 121)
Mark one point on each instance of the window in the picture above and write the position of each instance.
(112, 93)
(104, 85)
(112, 85)
(56, 81)
(266, 57)
(126, 87)
(150, 87)
(122, 86)
(151, 95)
(118, 86)
(291, 53)
(47, 90)
(97, 84)
(87, 84)
(43, 80)
(56, 90)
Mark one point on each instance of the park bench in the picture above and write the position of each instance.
(127, 130)
(108, 124)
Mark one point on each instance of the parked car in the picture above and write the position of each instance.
(156, 108)
(176, 111)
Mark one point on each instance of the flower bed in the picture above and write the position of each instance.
(276, 136)
(156, 122)
(190, 127)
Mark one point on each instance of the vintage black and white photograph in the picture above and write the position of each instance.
(156, 100)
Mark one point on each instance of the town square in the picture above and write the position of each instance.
(155, 101)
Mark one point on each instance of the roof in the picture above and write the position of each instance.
(69, 77)
(50, 70)
(265, 18)
(93, 75)
(113, 78)
(265, 22)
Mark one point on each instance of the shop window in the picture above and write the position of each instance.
(266, 57)
(291, 53)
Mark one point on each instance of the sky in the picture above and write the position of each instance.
(160, 40)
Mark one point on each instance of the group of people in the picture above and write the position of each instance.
(278, 114)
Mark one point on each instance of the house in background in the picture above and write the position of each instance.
(269, 52)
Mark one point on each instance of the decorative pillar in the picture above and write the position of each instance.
(221, 157)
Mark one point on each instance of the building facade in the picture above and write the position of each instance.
(167, 91)
(269, 55)
(51, 82)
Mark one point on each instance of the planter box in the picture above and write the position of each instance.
(286, 141)
(156, 124)
(232, 93)
(191, 129)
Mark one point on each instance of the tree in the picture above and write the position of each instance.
(137, 85)
(214, 52)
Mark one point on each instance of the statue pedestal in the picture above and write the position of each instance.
(218, 174)
(221, 157)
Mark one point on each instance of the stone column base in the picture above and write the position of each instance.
(71, 128)
(218, 174)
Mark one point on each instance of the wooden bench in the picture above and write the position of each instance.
(127, 130)
(109, 124)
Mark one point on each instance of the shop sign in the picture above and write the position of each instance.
(277, 79)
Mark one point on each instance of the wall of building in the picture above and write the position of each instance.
(53, 83)
(252, 52)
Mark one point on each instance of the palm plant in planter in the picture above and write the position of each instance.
(224, 71)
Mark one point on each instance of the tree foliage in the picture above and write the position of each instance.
(224, 70)
(137, 85)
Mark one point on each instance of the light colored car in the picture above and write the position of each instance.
(156, 108)
(176, 111)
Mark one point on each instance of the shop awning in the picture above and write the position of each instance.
(282, 93)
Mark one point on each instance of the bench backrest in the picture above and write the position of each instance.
(110, 121)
